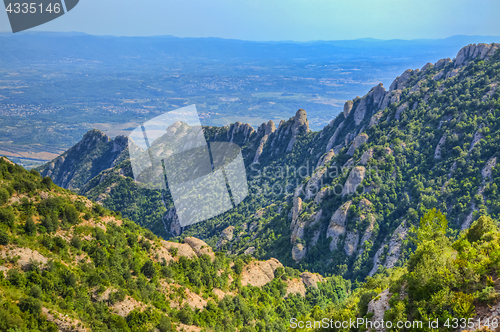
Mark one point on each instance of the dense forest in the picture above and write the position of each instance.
(69, 264)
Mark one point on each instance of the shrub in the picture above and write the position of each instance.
(16, 278)
(165, 324)
(30, 304)
(71, 214)
(4, 196)
(7, 217)
(30, 227)
(148, 269)
(4, 238)
(480, 227)
(35, 172)
(47, 182)
(36, 292)
(76, 242)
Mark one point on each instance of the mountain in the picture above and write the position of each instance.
(342, 200)
(92, 155)
(67, 264)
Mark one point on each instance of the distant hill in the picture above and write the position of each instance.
(37, 48)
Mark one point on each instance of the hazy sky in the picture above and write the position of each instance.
(299, 20)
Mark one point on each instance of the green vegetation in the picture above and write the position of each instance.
(446, 277)
(405, 178)
(91, 270)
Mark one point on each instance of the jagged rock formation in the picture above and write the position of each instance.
(259, 273)
(239, 132)
(337, 225)
(200, 247)
(299, 250)
(347, 108)
(394, 249)
(325, 158)
(471, 52)
(437, 153)
(311, 279)
(378, 306)
(93, 154)
(357, 142)
(333, 139)
(383, 116)
(300, 125)
(315, 183)
(226, 236)
(266, 130)
(366, 157)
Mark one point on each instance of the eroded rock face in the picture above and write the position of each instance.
(320, 195)
(400, 110)
(437, 153)
(347, 108)
(442, 63)
(366, 157)
(472, 51)
(298, 231)
(355, 178)
(183, 249)
(298, 252)
(332, 140)
(375, 119)
(259, 273)
(250, 251)
(391, 97)
(400, 82)
(351, 243)
(226, 236)
(315, 183)
(295, 286)
(244, 129)
(477, 137)
(336, 228)
(395, 245)
(267, 129)
(427, 66)
(378, 306)
(300, 126)
(311, 279)
(357, 142)
(25, 254)
(315, 219)
(200, 247)
(486, 171)
(360, 112)
(326, 158)
(297, 207)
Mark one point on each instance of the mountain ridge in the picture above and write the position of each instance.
(393, 153)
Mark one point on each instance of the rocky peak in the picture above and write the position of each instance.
(300, 126)
(472, 51)
(240, 132)
(400, 82)
(265, 130)
(347, 108)
(93, 154)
